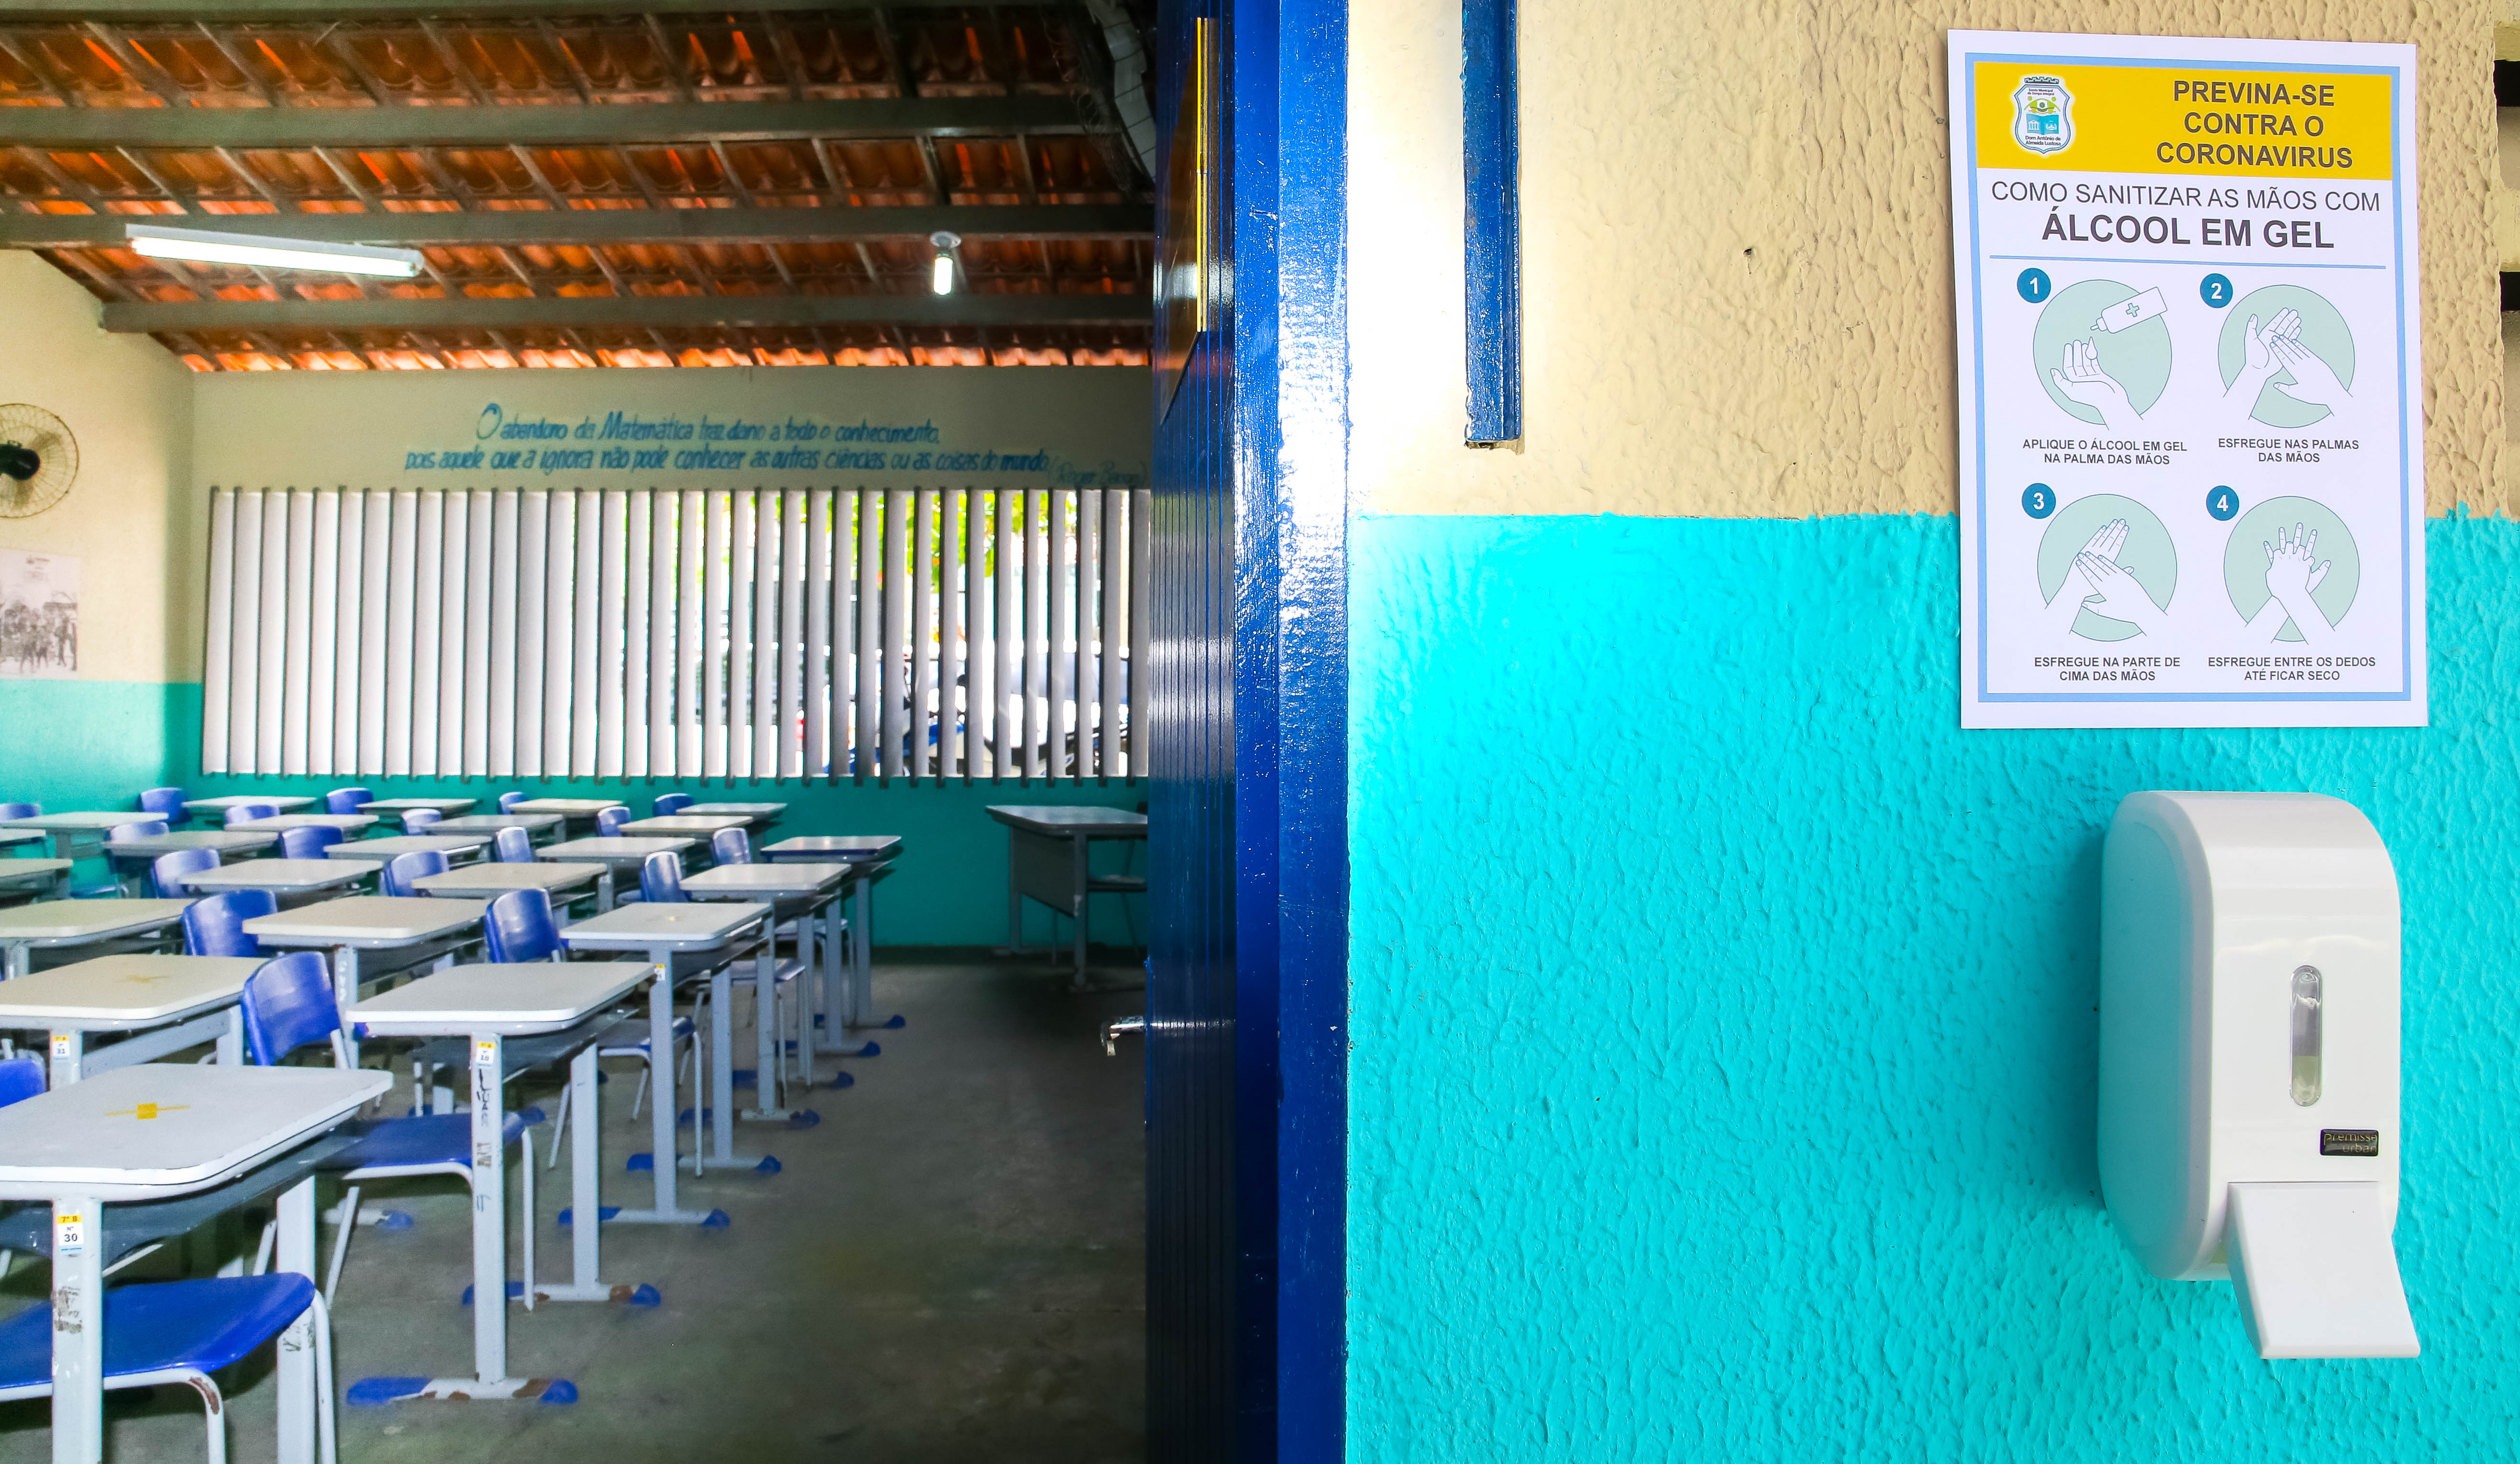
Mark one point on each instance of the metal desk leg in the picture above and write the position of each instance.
(345, 992)
(586, 1197)
(713, 1128)
(661, 1110)
(18, 958)
(1080, 858)
(603, 890)
(232, 1046)
(296, 1252)
(78, 1330)
(841, 962)
(1015, 899)
(70, 1051)
(767, 1034)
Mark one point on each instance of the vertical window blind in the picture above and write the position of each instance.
(822, 633)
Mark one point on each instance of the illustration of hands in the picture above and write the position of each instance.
(2294, 571)
(2082, 381)
(2096, 582)
(2314, 381)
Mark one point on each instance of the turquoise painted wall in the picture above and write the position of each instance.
(96, 745)
(1723, 1019)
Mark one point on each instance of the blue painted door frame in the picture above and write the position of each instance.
(1247, 981)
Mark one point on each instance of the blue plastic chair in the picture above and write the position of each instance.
(21, 1079)
(181, 1332)
(167, 801)
(608, 822)
(167, 870)
(403, 868)
(308, 841)
(661, 877)
(122, 832)
(289, 1005)
(730, 846)
(416, 819)
(518, 926)
(346, 800)
(20, 810)
(242, 812)
(507, 801)
(215, 924)
(513, 846)
(668, 804)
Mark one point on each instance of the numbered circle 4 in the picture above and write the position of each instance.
(2221, 501)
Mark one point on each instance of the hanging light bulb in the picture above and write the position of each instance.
(940, 278)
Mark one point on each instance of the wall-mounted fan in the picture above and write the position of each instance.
(39, 459)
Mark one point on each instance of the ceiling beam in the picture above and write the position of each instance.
(613, 225)
(964, 310)
(85, 129)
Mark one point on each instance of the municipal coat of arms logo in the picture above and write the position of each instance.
(2043, 116)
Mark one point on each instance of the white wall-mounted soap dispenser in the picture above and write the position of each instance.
(2248, 1116)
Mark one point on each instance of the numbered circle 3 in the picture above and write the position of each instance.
(2137, 358)
(2252, 547)
(2118, 528)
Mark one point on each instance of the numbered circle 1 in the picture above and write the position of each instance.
(2222, 503)
(2215, 290)
(2310, 531)
(2038, 500)
(2033, 285)
(2118, 529)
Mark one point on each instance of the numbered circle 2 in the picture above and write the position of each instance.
(2038, 500)
(2033, 285)
(2137, 358)
(2115, 528)
(2222, 503)
(2215, 290)
(2250, 554)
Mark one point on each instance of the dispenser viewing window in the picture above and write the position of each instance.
(2248, 1115)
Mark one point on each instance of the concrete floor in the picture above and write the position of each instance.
(951, 1267)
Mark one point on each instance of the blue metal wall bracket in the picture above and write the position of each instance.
(1492, 221)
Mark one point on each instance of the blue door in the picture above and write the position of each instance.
(1246, 994)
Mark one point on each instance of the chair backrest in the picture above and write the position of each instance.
(167, 870)
(20, 810)
(730, 846)
(416, 819)
(661, 877)
(149, 830)
(215, 927)
(513, 846)
(241, 811)
(21, 1079)
(608, 822)
(518, 926)
(289, 1003)
(669, 803)
(403, 868)
(308, 841)
(507, 801)
(167, 801)
(346, 800)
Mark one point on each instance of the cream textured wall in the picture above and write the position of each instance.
(1736, 248)
(130, 405)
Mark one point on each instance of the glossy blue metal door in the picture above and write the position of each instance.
(1246, 994)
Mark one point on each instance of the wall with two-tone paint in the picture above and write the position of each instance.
(1723, 1016)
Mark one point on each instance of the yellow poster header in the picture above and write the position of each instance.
(2200, 120)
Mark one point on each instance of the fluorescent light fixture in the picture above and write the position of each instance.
(940, 278)
(273, 253)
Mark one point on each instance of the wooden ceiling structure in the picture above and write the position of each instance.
(588, 187)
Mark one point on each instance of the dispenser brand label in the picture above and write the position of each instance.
(2191, 382)
(2350, 1143)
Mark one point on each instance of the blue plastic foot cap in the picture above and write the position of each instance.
(640, 1163)
(532, 1114)
(743, 1078)
(895, 1022)
(646, 1296)
(803, 1118)
(569, 1216)
(396, 1219)
(718, 1219)
(369, 1392)
(843, 1080)
(560, 1391)
(515, 1290)
(871, 1049)
(769, 1164)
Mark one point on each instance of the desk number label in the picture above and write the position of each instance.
(485, 1054)
(61, 1047)
(69, 1235)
